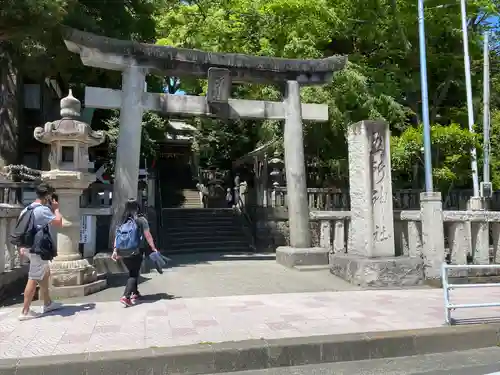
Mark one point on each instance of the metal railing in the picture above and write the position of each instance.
(447, 287)
(249, 226)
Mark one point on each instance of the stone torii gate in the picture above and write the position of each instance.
(136, 60)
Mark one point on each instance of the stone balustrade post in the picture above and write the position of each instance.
(479, 232)
(3, 244)
(432, 233)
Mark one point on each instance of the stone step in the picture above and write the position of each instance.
(191, 205)
(203, 241)
(200, 218)
(199, 222)
(105, 265)
(202, 231)
(197, 213)
(181, 236)
(111, 270)
(312, 268)
(200, 211)
(211, 248)
(191, 198)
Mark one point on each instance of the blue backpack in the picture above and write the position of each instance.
(128, 236)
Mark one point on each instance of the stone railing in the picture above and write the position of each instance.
(408, 233)
(333, 229)
(318, 198)
(97, 195)
(338, 200)
(16, 192)
(11, 270)
(9, 258)
(472, 237)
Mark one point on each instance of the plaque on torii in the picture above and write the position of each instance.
(219, 91)
(136, 60)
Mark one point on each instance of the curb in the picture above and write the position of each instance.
(259, 354)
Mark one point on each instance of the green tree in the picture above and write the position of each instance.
(451, 158)
(297, 29)
(495, 149)
(20, 19)
(154, 128)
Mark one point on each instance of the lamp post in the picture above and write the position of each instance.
(425, 99)
(486, 117)
(468, 87)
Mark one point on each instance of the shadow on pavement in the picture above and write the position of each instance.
(150, 298)
(69, 310)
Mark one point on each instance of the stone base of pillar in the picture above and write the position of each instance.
(292, 257)
(74, 278)
(377, 272)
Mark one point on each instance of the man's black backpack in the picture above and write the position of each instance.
(24, 233)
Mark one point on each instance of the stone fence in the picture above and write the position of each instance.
(326, 199)
(467, 237)
(11, 269)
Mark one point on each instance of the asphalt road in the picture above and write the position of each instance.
(471, 362)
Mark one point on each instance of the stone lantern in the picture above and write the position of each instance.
(69, 140)
(276, 165)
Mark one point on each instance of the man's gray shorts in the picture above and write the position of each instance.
(38, 267)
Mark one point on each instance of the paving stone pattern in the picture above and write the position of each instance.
(218, 275)
(107, 326)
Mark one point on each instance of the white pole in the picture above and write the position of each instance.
(468, 86)
(486, 110)
(425, 99)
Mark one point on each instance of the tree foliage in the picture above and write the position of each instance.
(381, 80)
(30, 31)
(20, 19)
(154, 128)
(450, 156)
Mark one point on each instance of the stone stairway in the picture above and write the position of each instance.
(203, 230)
(191, 198)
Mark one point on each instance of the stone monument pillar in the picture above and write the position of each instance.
(370, 188)
(69, 140)
(370, 258)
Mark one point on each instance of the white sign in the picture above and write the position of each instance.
(85, 228)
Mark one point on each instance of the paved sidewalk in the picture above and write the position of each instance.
(219, 275)
(108, 326)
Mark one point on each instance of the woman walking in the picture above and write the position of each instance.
(129, 238)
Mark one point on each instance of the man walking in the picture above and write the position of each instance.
(41, 249)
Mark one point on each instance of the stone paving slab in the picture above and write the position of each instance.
(217, 275)
(108, 326)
